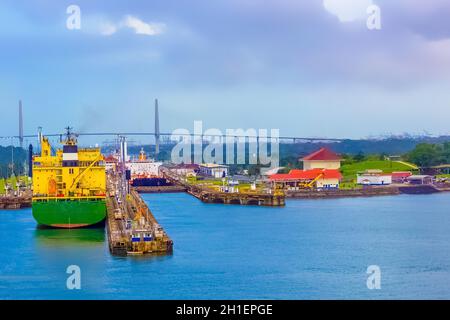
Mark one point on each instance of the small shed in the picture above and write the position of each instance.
(213, 170)
(420, 179)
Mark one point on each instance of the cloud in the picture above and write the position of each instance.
(101, 25)
(107, 29)
(141, 27)
(348, 10)
(98, 24)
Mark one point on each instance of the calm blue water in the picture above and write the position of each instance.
(311, 249)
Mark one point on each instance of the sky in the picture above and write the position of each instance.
(311, 68)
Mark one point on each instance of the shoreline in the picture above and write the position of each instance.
(366, 192)
(13, 203)
(333, 194)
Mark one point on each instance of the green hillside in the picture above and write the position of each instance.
(350, 170)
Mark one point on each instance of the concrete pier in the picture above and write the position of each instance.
(15, 202)
(208, 195)
(132, 228)
(160, 189)
(258, 199)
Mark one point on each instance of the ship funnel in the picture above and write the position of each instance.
(123, 149)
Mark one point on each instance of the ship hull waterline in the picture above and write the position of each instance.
(69, 214)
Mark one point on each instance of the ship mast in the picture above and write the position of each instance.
(71, 138)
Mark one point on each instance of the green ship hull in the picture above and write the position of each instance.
(64, 213)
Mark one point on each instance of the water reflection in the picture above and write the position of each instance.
(144, 258)
(55, 237)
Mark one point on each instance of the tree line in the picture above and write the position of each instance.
(430, 154)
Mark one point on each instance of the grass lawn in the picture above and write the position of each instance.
(349, 185)
(215, 183)
(349, 171)
(194, 181)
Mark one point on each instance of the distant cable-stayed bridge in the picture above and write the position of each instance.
(193, 135)
(20, 138)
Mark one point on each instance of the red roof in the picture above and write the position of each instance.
(401, 174)
(307, 175)
(322, 154)
(281, 176)
(111, 158)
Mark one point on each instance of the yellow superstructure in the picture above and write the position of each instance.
(71, 172)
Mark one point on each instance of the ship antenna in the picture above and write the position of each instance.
(69, 134)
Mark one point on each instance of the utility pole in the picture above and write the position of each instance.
(30, 160)
(157, 135)
(12, 157)
(20, 124)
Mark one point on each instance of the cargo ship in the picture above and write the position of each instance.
(145, 172)
(69, 187)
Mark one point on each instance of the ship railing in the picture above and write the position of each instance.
(89, 150)
(43, 198)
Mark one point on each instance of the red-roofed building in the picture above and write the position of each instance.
(111, 162)
(314, 178)
(111, 158)
(323, 158)
(400, 176)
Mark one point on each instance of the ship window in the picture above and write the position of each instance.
(70, 149)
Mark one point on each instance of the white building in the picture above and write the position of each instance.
(213, 170)
(374, 178)
(144, 168)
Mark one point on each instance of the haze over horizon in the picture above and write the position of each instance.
(309, 68)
